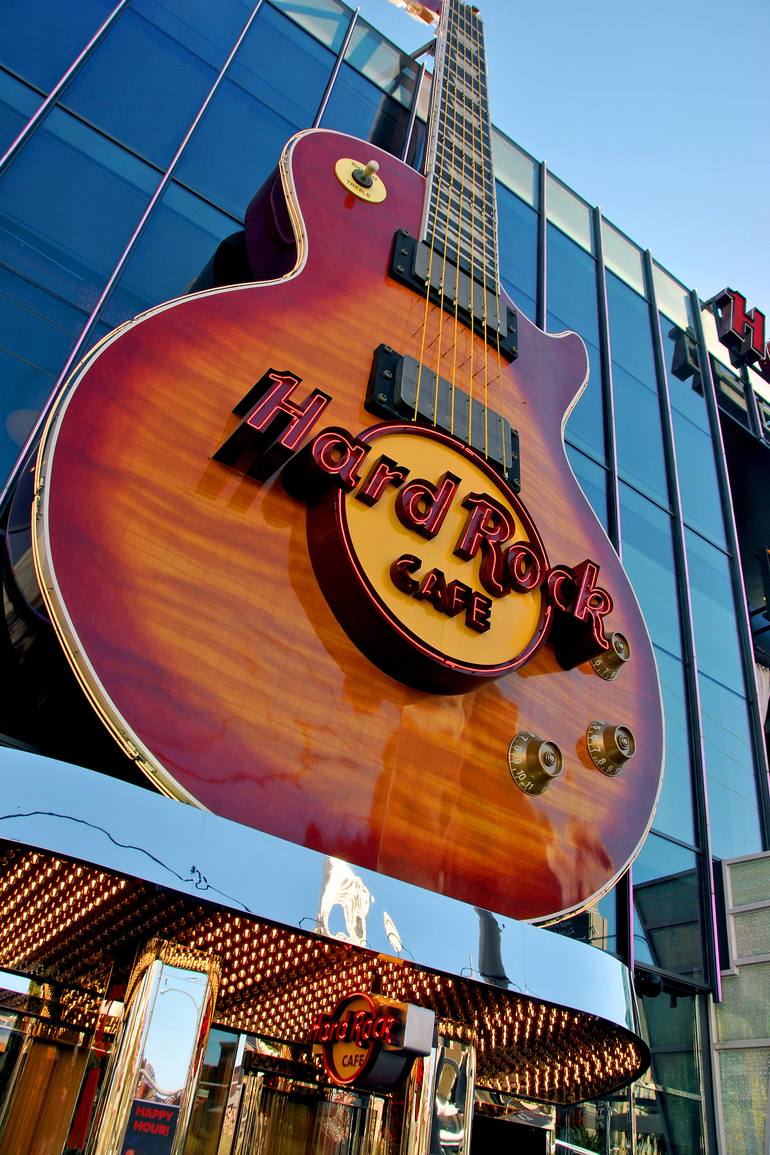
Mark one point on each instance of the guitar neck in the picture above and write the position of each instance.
(460, 215)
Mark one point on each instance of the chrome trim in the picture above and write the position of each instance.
(81, 814)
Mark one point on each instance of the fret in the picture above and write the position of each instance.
(460, 210)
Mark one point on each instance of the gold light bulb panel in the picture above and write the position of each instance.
(609, 664)
(610, 746)
(533, 762)
(360, 178)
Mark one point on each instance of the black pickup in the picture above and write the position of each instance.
(479, 305)
(393, 392)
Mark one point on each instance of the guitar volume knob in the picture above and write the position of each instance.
(609, 663)
(533, 762)
(610, 747)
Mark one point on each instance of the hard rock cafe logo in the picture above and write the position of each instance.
(428, 558)
(351, 1038)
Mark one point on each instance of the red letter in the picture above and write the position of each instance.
(487, 527)
(338, 454)
(385, 472)
(422, 507)
(478, 613)
(741, 330)
(400, 570)
(272, 426)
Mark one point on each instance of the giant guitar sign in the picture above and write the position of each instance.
(315, 552)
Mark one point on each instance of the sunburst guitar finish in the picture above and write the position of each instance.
(185, 597)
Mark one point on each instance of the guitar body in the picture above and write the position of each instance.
(183, 592)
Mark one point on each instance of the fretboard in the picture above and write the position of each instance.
(460, 214)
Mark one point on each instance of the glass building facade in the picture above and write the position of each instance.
(134, 135)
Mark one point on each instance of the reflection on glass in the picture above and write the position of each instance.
(39, 41)
(381, 62)
(648, 557)
(603, 1125)
(596, 926)
(17, 104)
(255, 103)
(674, 814)
(638, 422)
(731, 777)
(666, 908)
(326, 20)
(695, 454)
(515, 168)
(672, 298)
(622, 257)
(667, 1124)
(717, 642)
(359, 107)
(67, 231)
(212, 1107)
(453, 1103)
(177, 243)
(593, 481)
(342, 887)
(569, 212)
(517, 231)
(573, 305)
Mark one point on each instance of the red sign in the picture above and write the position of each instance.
(742, 330)
(362, 1041)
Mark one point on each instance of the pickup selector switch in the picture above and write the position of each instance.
(610, 747)
(533, 762)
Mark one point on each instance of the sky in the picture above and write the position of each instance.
(656, 111)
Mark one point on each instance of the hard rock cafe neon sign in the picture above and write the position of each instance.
(371, 1041)
(395, 516)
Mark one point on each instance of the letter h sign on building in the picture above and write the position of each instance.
(371, 1041)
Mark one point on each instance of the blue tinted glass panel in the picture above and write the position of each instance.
(180, 239)
(593, 482)
(698, 485)
(666, 908)
(37, 331)
(648, 557)
(675, 806)
(357, 106)
(240, 137)
(147, 78)
(732, 790)
(391, 70)
(717, 642)
(596, 926)
(517, 230)
(638, 424)
(40, 40)
(66, 231)
(25, 388)
(573, 305)
(17, 104)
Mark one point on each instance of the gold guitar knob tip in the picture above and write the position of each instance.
(610, 747)
(533, 762)
(609, 664)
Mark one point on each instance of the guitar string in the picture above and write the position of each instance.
(438, 164)
(459, 220)
(484, 123)
(475, 184)
(484, 226)
(454, 5)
